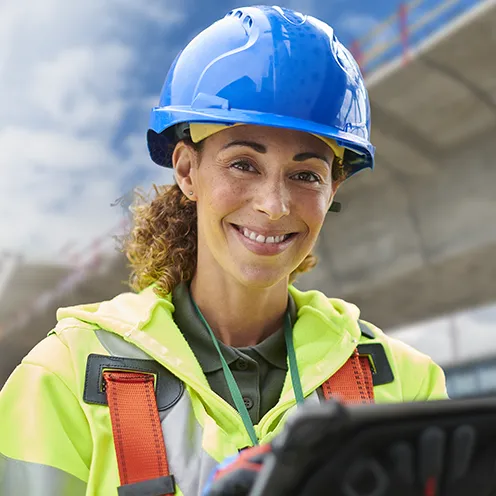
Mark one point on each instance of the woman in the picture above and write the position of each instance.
(262, 116)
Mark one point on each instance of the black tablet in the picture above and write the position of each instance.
(435, 448)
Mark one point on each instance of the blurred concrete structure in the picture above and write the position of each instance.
(35, 291)
(463, 344)
(416, 237)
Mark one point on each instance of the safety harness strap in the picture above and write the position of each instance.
(352, 383)
(138, 438)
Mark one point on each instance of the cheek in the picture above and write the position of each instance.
(219, 196)
(223, 196)
(313, 211)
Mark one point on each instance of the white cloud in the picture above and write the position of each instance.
(28, 149)
(161, 12)
(87, 93)
(66, 89)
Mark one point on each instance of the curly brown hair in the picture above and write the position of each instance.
(162, 245)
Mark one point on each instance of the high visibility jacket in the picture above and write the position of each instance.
(53, 442)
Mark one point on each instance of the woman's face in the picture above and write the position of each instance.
(262, 196)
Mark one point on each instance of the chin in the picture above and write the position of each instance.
(261, 277)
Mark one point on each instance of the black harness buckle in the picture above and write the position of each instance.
(151, 487)
(168, 388)
(379, 364)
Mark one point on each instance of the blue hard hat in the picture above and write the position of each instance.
(267, 66)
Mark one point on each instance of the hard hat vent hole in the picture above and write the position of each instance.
(238, 14)
(248, 21)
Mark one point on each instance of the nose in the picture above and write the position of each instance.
(273, 199)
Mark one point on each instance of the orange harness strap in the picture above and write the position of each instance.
(352, 383)
(138, 438)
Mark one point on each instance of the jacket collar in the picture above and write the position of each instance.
(325, 334)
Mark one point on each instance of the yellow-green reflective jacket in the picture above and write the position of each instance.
(54, 443)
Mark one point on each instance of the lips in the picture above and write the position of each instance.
(263, 244)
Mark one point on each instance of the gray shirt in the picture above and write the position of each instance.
(259, 370)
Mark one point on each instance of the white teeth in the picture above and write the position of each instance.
(262, 239)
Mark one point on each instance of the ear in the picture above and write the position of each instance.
(184, 160)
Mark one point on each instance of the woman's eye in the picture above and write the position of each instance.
(309, 177)
(242, 165)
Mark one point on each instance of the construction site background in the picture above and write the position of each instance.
(415, 244)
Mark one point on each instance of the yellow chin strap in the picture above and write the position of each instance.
(199, 131)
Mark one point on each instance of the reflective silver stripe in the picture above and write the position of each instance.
(34, 479)
(116, 346)
(189, 463)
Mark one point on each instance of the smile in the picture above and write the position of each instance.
(260, 238)
(264, 244)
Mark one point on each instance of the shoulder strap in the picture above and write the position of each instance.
(138, 438)
(352, 383)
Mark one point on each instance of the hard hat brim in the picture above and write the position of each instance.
(165, 118)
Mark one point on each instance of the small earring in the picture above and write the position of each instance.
(190, 193)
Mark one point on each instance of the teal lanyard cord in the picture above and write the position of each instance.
(231, 381)
(293, 365)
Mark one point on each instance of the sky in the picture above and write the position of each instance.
(77, 81)
(72, 108)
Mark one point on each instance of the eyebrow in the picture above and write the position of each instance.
(300, 157)
(251, 144)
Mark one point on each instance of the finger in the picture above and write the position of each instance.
(462, 451)
(402, 455)
(431, 459)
